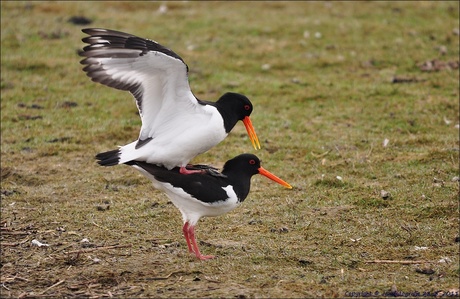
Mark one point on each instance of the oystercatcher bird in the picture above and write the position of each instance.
(205, 194)
(176, 126)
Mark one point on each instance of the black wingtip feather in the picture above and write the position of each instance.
(100, 38)
(110, 158)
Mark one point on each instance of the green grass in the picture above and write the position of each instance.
(323, 107)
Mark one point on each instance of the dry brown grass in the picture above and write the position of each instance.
(323, 107)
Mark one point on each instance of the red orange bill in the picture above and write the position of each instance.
(251, 132)
(273, 177)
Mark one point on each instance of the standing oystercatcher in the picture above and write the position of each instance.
(176, 126)
(206, 194)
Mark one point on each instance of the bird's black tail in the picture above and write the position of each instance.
(109, 158)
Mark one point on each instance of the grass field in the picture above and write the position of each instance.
(356, 105)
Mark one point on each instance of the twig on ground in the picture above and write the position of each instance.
(397, 262)
(54, 285)
(320, 155)
(15, 243)
(171, 274)
(9, 244)
(99, 248)
(9, 279)
(7, 232)
(167, 276)
(3, 285)
(94, 223)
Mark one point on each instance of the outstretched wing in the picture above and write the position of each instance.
(155, 75)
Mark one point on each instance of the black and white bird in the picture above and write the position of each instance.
(206, 194)
(176, 126)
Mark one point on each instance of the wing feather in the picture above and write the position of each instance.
(155, 75)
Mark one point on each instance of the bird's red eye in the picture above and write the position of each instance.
(252, 162)
(247, 107)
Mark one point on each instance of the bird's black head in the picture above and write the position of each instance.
(236, 102)
(240, 169)
(233, 107)
(243, 165)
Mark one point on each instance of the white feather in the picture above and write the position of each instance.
(179, 126)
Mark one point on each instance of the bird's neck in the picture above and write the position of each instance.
(241, 183)
(228, 115)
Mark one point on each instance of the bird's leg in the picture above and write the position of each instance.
(187, 238)
(189, 232)
(202, 169)
(184, 170)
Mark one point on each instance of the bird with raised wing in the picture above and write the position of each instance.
(176, 126)
(206, 194)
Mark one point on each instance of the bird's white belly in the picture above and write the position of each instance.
(183, 145)
(178, 142)
(192, 209)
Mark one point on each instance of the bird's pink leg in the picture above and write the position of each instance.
(184, 170)
(187, 238)
(189, 232)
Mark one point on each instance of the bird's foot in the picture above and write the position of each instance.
(189, 234)
(186, 171)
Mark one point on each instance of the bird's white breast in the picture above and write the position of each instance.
(180, 139)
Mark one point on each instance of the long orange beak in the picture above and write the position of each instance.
(273, 177)
(251, 132)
